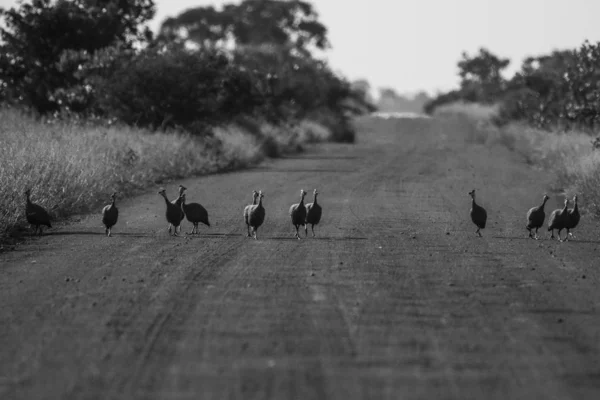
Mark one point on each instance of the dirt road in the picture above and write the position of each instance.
(395, 299)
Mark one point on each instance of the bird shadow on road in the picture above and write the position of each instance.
(204, 235)
(513, 238)
(546, 239)
(93, 233)
(326, 238)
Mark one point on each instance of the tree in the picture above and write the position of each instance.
(291, 25)
(45, 42)
(481, 76)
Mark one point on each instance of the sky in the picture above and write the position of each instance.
(413, 45)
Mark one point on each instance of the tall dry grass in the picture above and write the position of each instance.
(567, 154)
(72, 168)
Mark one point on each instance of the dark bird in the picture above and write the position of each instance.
(256, 214)
(247, 211)
(558, 220)
(177, 202)
(173, 212)
(298, 213)
(110, 214)
(313, 214)
(195, 213)
(573, 218)
(36, 214)
(535, 218)
(478, 214)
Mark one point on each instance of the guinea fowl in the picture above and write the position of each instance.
(298, 213)
(535, 218)
(247, 210)
(173, 212)
(478, 214)
(36, 214)
(256, 214)
(110, 214)
(573, 218)
(195, 213)
(177, 202)
(313, 214)
(558, 220)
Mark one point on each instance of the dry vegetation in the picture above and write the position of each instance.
(72, 168)
(569, 155)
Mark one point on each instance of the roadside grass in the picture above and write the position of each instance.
(73, 168)
(568, 154)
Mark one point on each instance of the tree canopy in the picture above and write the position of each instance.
(286, 24)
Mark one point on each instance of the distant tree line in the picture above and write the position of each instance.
(205, 67)
(561, 88)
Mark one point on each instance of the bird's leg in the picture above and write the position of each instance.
(567, 237)
(254, 233)
(169, 228)
(248, 227)
(305, 230)
(536, 234)
(559, 238)
(313, 230)
(552, 235)
(529, 229)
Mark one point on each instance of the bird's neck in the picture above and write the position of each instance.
(165, 197)
(315, 200)
(544, 203)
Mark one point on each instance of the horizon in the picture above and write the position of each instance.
(465, 25)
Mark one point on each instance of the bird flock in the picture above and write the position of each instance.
(561, 218)
(195, 213)
(301, 215)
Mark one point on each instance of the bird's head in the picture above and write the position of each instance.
(546, 197)
(315, 192)
(162, 191)
(472, 193)
(182, 189)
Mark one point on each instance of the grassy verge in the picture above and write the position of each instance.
(567, 154)
(72, 168)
